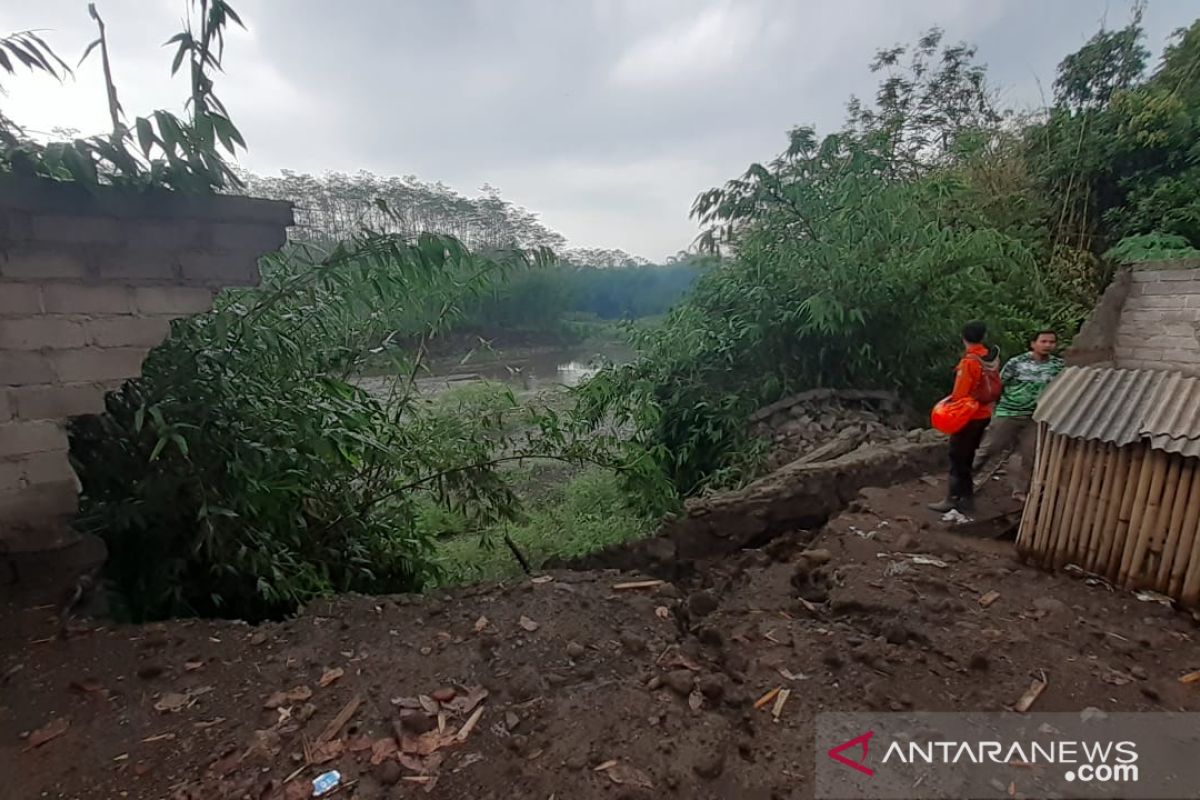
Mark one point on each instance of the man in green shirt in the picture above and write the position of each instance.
(1024, 377)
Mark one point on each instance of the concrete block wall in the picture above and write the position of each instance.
(1159, 325)
(89, 282)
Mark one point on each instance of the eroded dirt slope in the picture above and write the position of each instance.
(592, 691)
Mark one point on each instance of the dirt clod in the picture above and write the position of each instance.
(525, 684)
(701, 604)
(388, 773)
(575, 650)
(680, 681)
(710, 764)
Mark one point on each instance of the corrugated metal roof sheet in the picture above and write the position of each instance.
(1122, 406)
(1172, 420)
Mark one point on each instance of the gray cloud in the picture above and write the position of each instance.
(606, 117)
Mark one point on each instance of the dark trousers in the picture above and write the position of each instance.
(962, 459)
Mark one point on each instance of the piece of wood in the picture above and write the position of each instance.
(337, 723)
(1101, 466)
(1189, 593)
(637, 585)
(780, 700)
(1191, 677)
(1137, 465)
(1031, 695)
(1174, 528)
(1074, 512)
(843, 443)
(762, 702)
(1046, 508)
(1137, 513)
(989, 598)
(1188, 541)
(1157, 539)
(1114, 488)
(1145, 519)
(1066, 516)
(469, 725)
(1036, 492)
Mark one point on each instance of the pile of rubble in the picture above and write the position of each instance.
(822, 424)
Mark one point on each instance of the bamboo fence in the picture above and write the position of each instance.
(1130, 514)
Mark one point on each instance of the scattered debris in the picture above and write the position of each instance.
(928, 561)
(762, 702)
(469, 725)
(51, 730)
(989, 598)
(296, 695)
(326, 783)
(1032, 694)
(663, 613)
(542, 579)
(1191, 677)
(1154, 597)
(638, 585)
(162, 737)
(172, 702)
(780, 699)
(482, 624)
(331, 676)
(527, 624)
(624, 774)
(792, 676)
(335, 725)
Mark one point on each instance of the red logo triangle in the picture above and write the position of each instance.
(858, 741)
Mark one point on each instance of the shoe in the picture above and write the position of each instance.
(965, 505)
(949, 504)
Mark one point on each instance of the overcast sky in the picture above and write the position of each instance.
(606, 117)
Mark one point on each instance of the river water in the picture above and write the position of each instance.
(526, 371)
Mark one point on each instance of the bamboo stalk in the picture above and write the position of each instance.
(1190, 593)
(1143, 519)
(1068, 520)
(1152, 557)
(1111, 493)
(1173, 521)
(1029, 513)
(1102, 464)
(1045, 512)
(1187, 539)
(1073, 514)
(1137, 466)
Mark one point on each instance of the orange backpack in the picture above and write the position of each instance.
(990, 388)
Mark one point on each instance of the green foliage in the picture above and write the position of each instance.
(1151, 247)
(171, 152)
(1110, 62)
(243, 474)
(588, 513)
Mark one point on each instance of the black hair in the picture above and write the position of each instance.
(1043, 332)
(974, 331)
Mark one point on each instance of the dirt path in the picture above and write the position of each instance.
(592, 691)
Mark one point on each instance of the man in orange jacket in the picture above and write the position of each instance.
(960, 493)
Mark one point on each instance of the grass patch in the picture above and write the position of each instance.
(587, 513)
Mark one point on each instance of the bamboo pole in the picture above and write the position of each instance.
(1067, 519)
(1111, 493)
(1173, 527)
(1029, 513)
(1138, 484)
(1081, 478)
(1187, 539)
(1101, 466)
(1045, 512)
(1152, 558)
(1190, 593)
(1144, 520)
